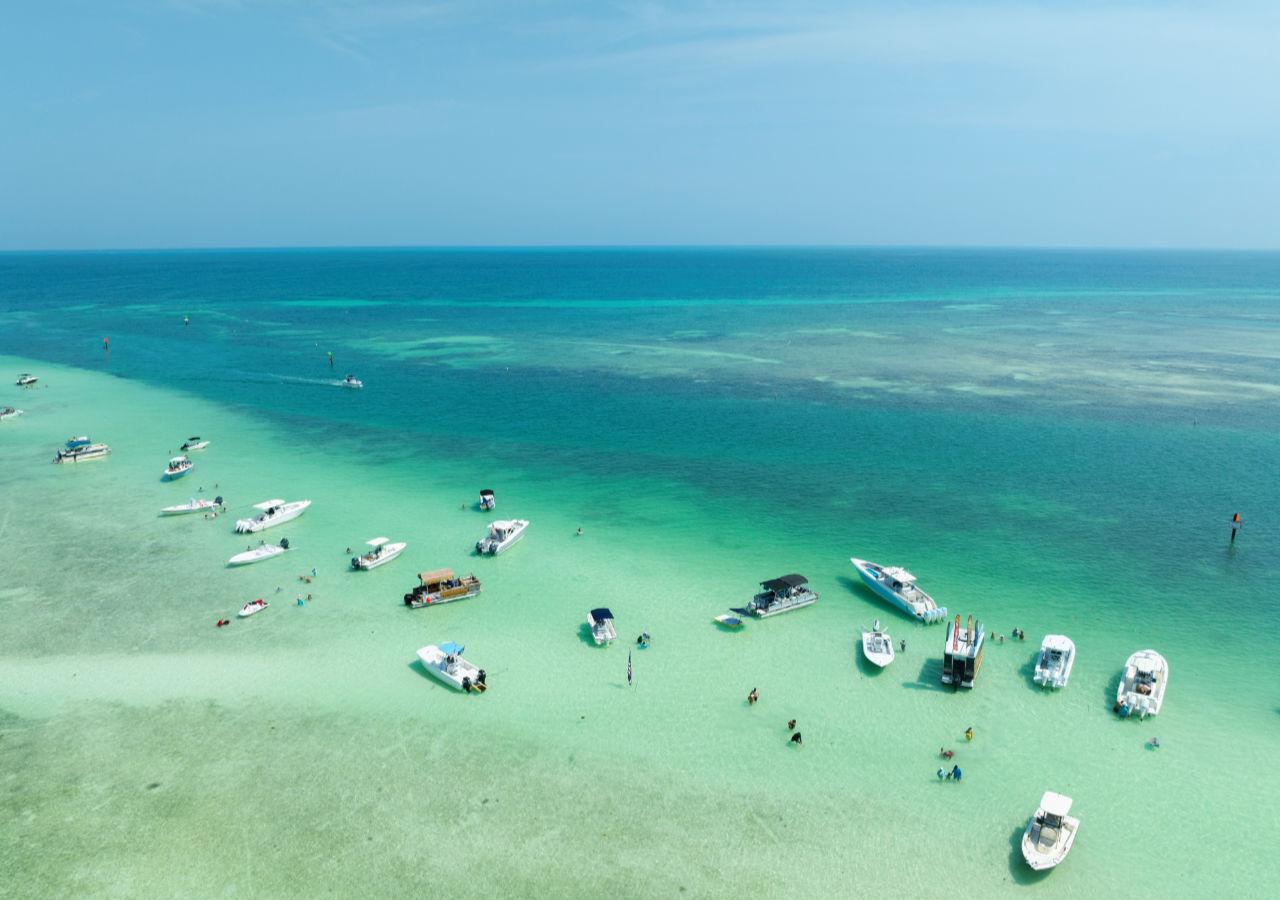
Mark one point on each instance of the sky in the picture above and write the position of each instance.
(251, 123)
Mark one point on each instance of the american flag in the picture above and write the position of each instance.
(628, 667)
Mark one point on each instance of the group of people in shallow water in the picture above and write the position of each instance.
(754, 697)
(954, 774)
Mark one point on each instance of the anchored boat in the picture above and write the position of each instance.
(446, 664)
(1142, 686)
(1050, 833)
(257, 554)
(441, 586)
(487, 501)
(502, 534)
(898, 586)
(82, 452)
(26, 379)
(877, 646)
(601, 623)
(274, 512)
(1057, 656)
(962, 654)
(178, 466)
(779, 595)
(255, 606)
(192, 506)
(382, 552)
(193, 443)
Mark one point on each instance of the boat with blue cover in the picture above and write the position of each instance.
(445, 663)
(898, 586)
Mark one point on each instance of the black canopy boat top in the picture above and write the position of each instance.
(486, 493)
(784, 583)
(599, 615)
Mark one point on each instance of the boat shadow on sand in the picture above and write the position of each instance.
(1018, 868)
(929, 679)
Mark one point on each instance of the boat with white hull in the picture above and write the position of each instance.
(26, 379)
(601, 623)
(1142, 686)
(502, 534)
(192, 506)
(1050, 833)
(8, 412)
(446, 664)
(193, 443)
(383, 552)
(84, 453)
(898, 586)
(962, 653)
(487, 501)
(274, 512)
(877, 646)
(178, 466)
(259, 553)
(352, 381)
(441, 586)
(1057, 656)
(254, 606)
(779, 595)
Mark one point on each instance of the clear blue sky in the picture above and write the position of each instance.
(170, 123)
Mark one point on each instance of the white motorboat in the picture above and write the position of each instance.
(1057, 656)
(877, 646)
(83, 453)
(1050, 833)
(259, 553)
(728, 621)
(1141, 690)
(8, 412)
(192, 506)
(779, 595)
(962, 653)
(502, 534)
(255, 606)
(352, 381)
(178, 466)
(383, 552)
(441, 586)
(446, 663)
(487, 501)
(193, 443)
(601, 622)
(274, 512)
(898, 586)
(26, 379)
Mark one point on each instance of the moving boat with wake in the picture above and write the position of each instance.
(274, 512)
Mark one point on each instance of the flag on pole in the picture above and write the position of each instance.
(628, 667)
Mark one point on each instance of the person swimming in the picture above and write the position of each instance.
(791, 725)
(753, 697)
(903, 646)
(579, 531)
(796, 739)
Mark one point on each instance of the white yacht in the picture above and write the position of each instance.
(178, 466)
(83, 453)
(255, 606)
(1057, 656)
(1141, 690)
(779, 595)
(487, 502)
(26, 379)
(502, 534)
(274, 512)
(259, 553)
(441, 586)
(192, 506)
(962, 653)
(383, 552)
(601, 622)
(1050, 833)
(352, 381)
(446, 663)
(193, 443)
(877, 646)
(898, 586)
(8, 412)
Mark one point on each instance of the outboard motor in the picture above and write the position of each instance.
(480, 678)
(408, 599)
(284, 543)
(466, 684)
(355, 562)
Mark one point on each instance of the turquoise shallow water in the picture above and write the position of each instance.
(1052, 441)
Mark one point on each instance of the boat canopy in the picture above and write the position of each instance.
(177, 461)
(784, 583)
(601, 614)
(267, 504)
(378, 541)
(1055, 804)
(899, 574)
(194, 437)
(450, 647)
(503, 525)
(486, 493)
(436, 576)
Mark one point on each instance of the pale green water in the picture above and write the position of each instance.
(1063, 464)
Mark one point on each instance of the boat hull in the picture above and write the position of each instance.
(291, 512)
(434, 662)
(439, 598)
(389, 552)
(174, 475)
(252, 556)
(250, 609)
(186, 510)
(1040, 858)
(1131, 701)
(872, 580)
(877, 657)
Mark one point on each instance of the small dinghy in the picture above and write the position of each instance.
(1050, 833)
(255, 606)
(192, 506)
(178, 466)
(877, 646)
(193, 443)
(8, 412)
(258, 554)
(728, 621)
(383, 552)
(446, 664)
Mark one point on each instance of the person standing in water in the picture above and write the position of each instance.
(968, 733)
(753, 697)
